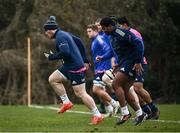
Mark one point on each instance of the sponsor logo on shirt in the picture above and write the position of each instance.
(120, 32)
(62, 44)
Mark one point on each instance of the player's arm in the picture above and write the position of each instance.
(107, 55)
(139, 50)
(63, 48)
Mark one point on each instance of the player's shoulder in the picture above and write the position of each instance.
(63, 35)
(100, 39)
(121, 32)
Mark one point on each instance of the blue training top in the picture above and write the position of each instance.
(126, 46)
(67, 50)
(99, 47)
(109, 55)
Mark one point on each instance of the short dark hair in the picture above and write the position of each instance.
(123, 20)
(114, 18)
(92, 26)
(107, 21)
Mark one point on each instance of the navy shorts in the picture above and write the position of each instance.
(75, 78)
(140, 78)
(98, 80)
(127, 68)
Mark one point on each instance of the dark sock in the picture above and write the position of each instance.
(113, 96)
(102, 105)
(152, 107)
(146, 109)
(102, 108)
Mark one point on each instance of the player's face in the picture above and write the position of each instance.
(90, 33)
(98, 26)
(107, 29)
(124, 26)
(49, 34)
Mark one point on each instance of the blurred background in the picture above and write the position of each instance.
(157, 20)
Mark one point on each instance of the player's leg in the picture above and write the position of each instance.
(132, 92)
(139, 100)
(133, 100)
(138, 86)
(80, 92)
(118, 86)
(78, 84)
(99, 89)
(145, 107)
(139, 89)
(108, 79)
(56, 80)
(97, 82)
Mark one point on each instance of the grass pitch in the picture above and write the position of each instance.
(26, 119)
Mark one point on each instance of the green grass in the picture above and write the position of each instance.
(25, 119)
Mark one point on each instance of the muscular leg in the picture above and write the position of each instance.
(102, 94)
(56, 80)
(111, 106)
(118, 83)
(144, 106)
(141, 101)
(138, 87)
(131, 97)
(131, 90)
(108, 81)
(80, 92)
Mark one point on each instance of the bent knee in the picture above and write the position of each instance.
(138, 87)
(53, 80)
(50, 79)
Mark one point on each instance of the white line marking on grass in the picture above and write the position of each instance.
(81, 112)
(54, 108)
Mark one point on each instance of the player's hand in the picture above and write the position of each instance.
(114, 66)
(87, 65)
(46, 55)
(51, 52)
(98, 58)
(138, 68)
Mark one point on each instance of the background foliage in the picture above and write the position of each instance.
(157, 20)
